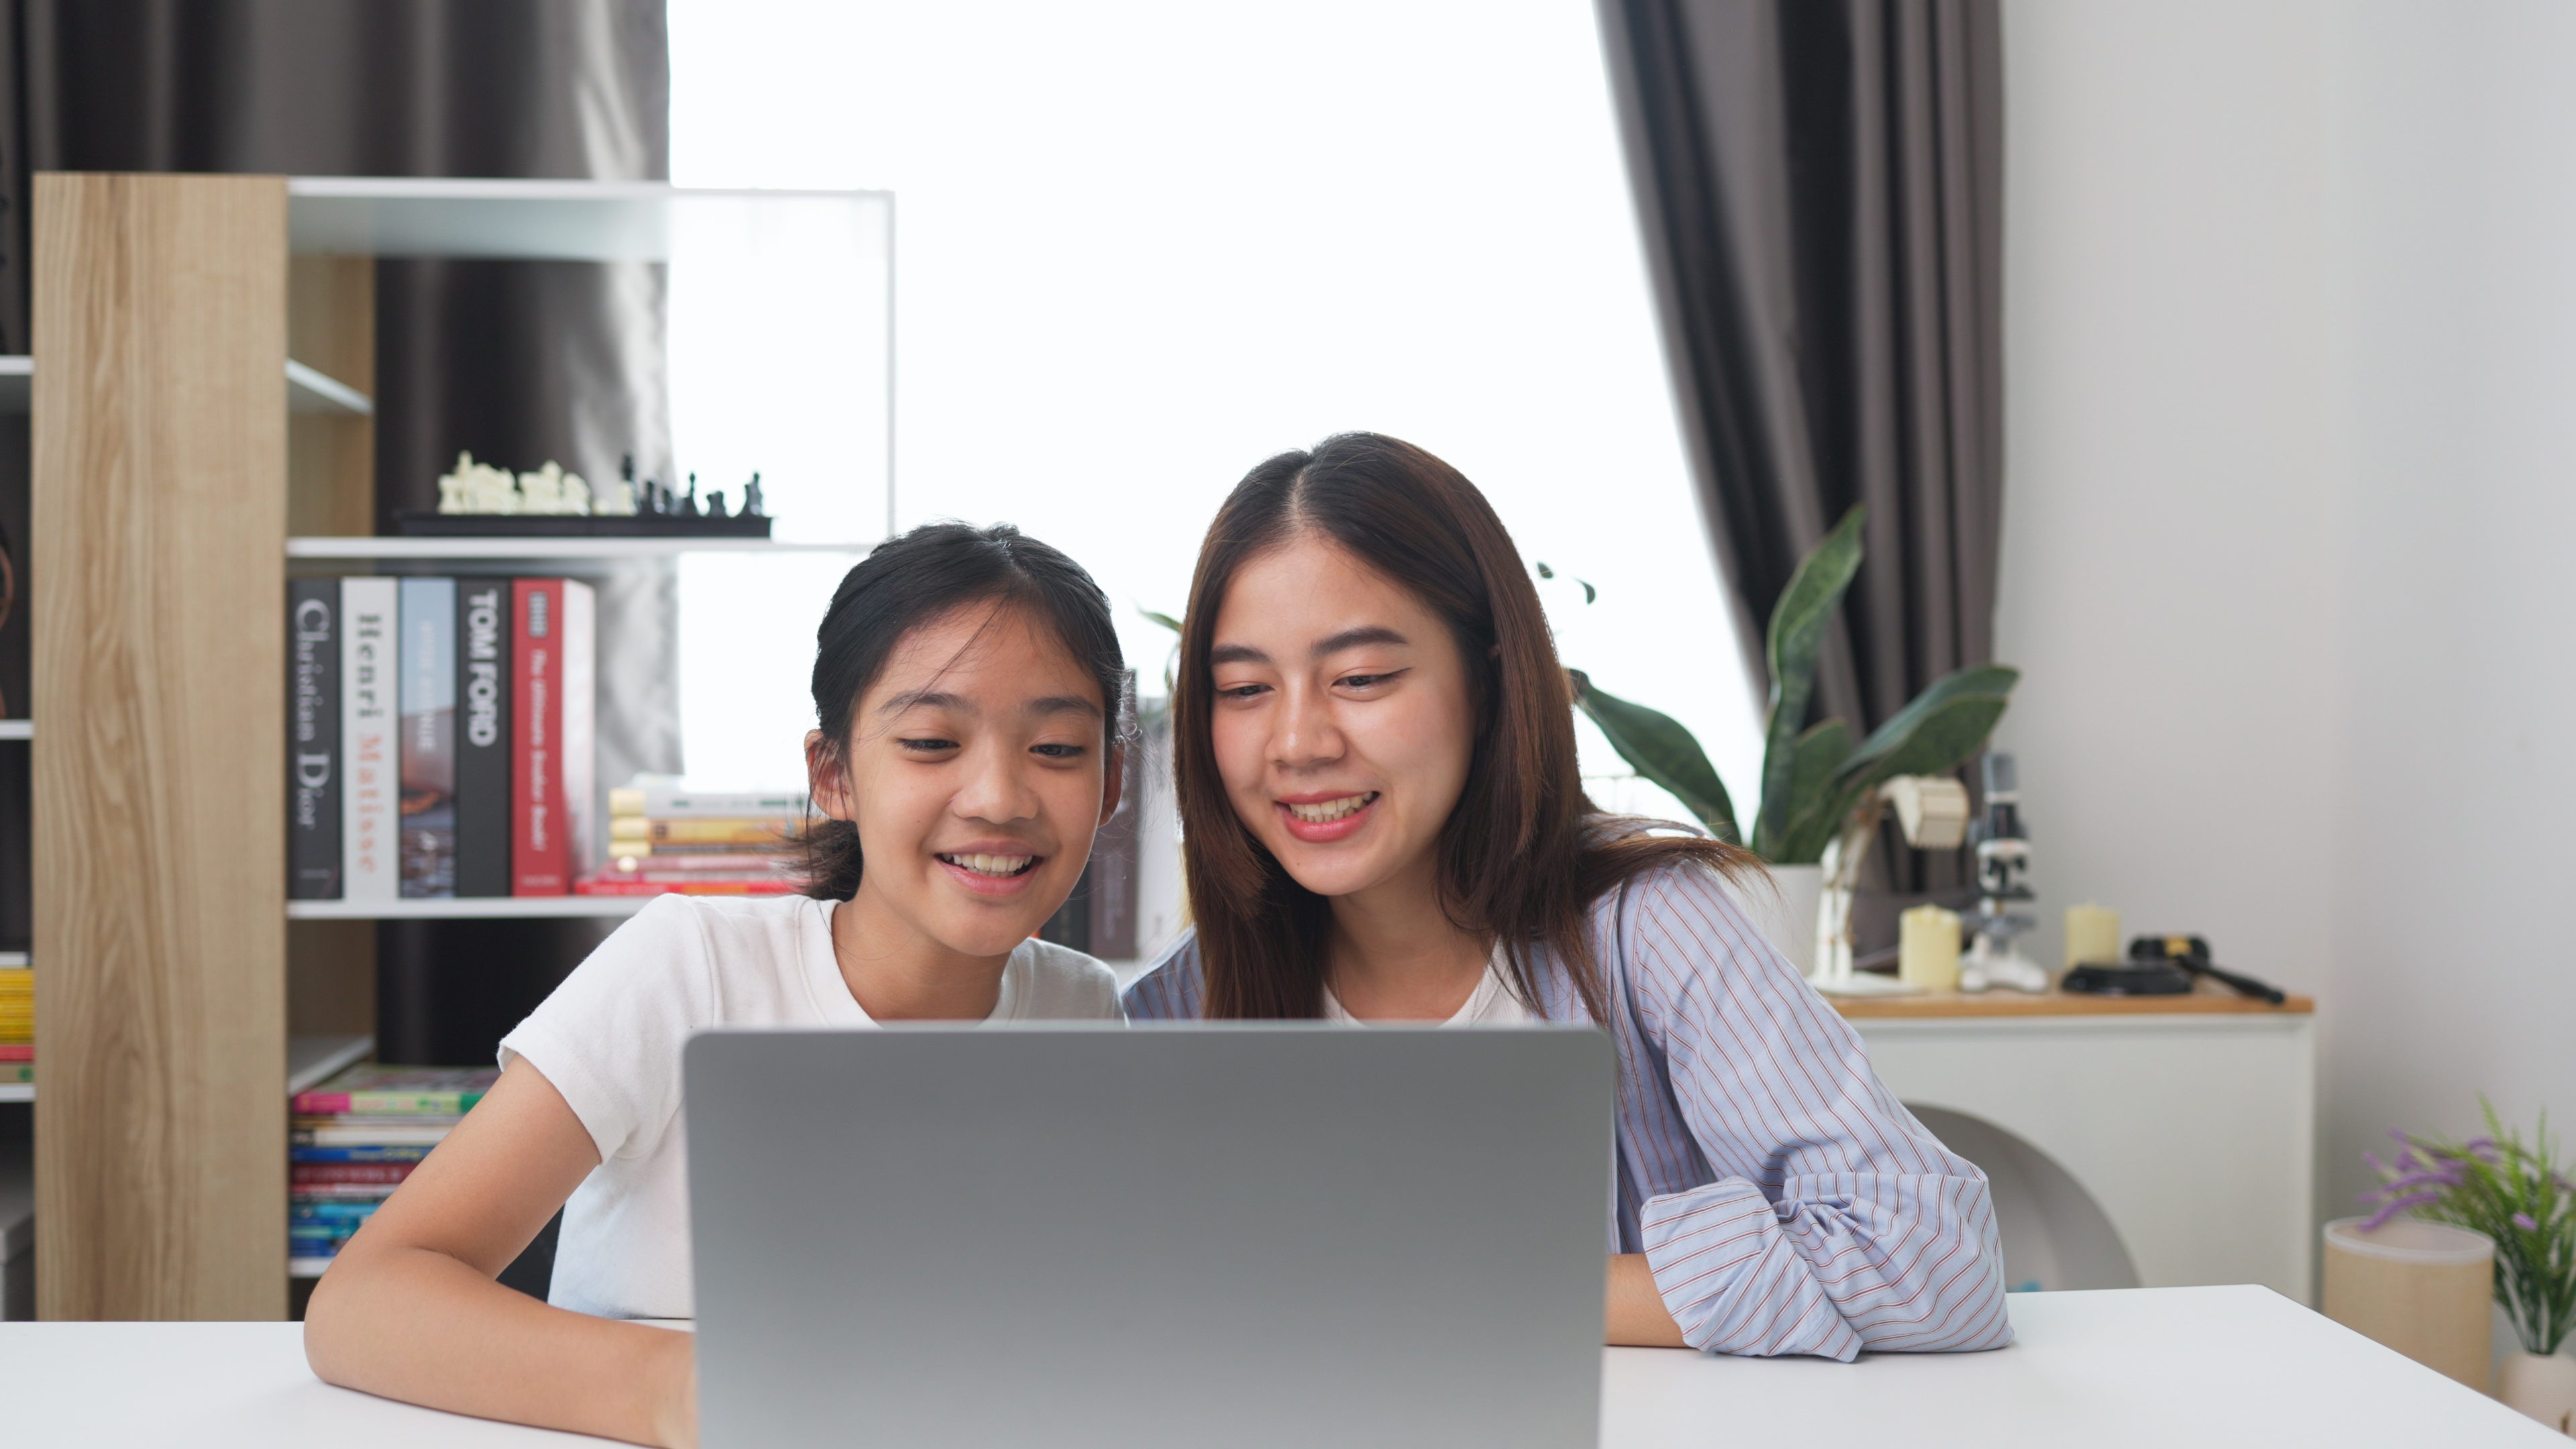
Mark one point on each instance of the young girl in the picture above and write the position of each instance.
(968, 684)
(1383, 821)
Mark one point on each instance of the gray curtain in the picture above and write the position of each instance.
(1819, 185)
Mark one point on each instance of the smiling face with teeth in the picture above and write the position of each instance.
(1343, 720)
(976, 771)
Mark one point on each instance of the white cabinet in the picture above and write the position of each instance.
(2128, 1147)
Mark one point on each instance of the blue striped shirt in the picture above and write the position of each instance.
(1787, 1203)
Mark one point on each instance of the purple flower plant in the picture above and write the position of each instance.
(2515, 1195)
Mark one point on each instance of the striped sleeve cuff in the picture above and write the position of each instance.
(1732, 1280)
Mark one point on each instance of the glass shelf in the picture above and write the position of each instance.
(308, 390)
(542, 548)
(468, 908)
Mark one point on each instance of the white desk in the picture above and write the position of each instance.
(2196, 1367)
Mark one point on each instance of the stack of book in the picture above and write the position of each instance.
(440, 737)
(355, 1138)
(665, 838)
(17, 1024)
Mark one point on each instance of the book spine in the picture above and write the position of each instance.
(331, 1104)
(363, 1152)
(772, 833)
(629, 886)
(539, 863)
(1116, 864)
(17, 1051)
(323, 1212)
(580, 724)
(313, 740)
(377, 1137)
(428, 729)
(369, 787)
(483, 744)
(663, 803)
(317, 1173)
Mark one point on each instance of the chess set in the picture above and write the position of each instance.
(478, 500)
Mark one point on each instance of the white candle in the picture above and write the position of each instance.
(2092, 935)
(1927, 948)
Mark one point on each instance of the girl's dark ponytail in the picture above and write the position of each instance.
(915, 578)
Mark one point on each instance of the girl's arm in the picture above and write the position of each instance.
(1836, 1223)
(410, 1310)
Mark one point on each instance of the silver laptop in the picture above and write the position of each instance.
(1160, 1235)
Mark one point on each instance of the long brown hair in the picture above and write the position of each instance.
(1522, 854)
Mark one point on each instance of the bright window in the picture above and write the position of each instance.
(1141, 246)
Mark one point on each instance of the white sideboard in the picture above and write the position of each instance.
(2151, 1142)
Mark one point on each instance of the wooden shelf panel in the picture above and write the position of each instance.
(546, 548)
(469, 908)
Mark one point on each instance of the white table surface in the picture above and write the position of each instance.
(2192, 1367)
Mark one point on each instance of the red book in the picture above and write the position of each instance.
(553, 674)
(540, 820)
(17, 1051)
(317, 1174)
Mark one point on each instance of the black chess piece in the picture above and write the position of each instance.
(751, 504)
(689, 504)
(716, 504)
(657, 499)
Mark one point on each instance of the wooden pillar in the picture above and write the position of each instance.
(158, 527)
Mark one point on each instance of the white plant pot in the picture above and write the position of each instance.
(2540, 1386)
(1784, 910)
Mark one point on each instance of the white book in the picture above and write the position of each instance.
(580, 737)
(371, 1136)
(371, 782)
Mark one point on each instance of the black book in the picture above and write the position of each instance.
(483, 634)
(313, 740)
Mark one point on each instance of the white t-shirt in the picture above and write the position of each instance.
(609, 1040)
(1490, 1004)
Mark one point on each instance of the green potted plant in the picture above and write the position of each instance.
(1814, 777)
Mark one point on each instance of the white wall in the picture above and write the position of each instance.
(2291, 329)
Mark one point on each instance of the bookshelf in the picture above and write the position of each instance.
(202, 428)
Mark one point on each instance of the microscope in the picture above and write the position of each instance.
(2003, 878)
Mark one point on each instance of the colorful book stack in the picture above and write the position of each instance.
(665, 838)
(17, 1024)
(355, 1138)
(439, 737)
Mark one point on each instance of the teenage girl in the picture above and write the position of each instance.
(968, 684)
(1382, 821)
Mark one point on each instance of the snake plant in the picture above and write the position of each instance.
(1812, 775)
